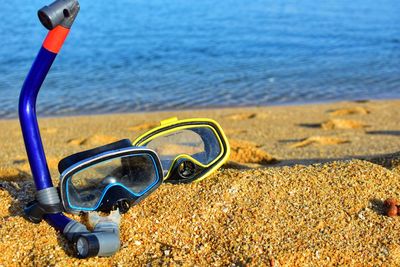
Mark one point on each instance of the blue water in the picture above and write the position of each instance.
(145, 55)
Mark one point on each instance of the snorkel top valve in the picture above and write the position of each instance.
(61, 12)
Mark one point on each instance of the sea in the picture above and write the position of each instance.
(149, 55)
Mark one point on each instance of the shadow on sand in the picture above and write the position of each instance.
(394, 133)
(388, 161)
(22, 190)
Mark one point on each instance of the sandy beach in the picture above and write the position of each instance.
(305, 185)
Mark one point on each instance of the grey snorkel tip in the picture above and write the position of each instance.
(86, 246)
(104, 241)
(103, 244)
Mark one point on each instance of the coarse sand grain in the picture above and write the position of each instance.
(319, 205)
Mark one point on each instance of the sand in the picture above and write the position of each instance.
(305, 186)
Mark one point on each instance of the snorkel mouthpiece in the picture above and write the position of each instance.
(104, 241)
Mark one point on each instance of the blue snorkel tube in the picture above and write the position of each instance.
(104, 240)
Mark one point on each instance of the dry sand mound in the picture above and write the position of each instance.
(328, 214)
(49, 130)
(342, 124)
(320, 140)
(241, 116)
(11, 174)
(248, 152)
(318, 215)
(95, 140)
(230, 132)
(144, 126)
(349, 111)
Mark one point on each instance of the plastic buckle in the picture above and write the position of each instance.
(35, 211)
(168, 121)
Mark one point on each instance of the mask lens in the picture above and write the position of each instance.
(201, 143)
(136, 173)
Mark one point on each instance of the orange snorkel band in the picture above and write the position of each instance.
(55, 39)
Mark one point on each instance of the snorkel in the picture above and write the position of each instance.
(111, 178)
(104, 240)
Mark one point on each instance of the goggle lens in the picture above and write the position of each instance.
(136, 173)
(200, 143)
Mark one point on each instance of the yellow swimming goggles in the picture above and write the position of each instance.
(190, 150)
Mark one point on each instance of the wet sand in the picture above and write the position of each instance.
(305, 185)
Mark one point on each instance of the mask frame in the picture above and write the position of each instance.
(174, 125)
(117, 194)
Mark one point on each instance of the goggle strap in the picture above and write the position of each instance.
(169, 121)
(35, 210)
(72, 159)
(47, 201)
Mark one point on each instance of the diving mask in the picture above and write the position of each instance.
(190, 149)
(117, 175)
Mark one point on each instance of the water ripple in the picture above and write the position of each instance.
(148, 55)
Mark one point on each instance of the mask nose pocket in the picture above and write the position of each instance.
(186, 169)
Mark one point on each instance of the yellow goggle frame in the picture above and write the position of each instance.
(172, 125)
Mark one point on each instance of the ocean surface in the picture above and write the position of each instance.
(147, 55)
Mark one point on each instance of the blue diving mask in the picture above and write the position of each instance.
(117, 175)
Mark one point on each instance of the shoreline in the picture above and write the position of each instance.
(305, 185)
(291, 104)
